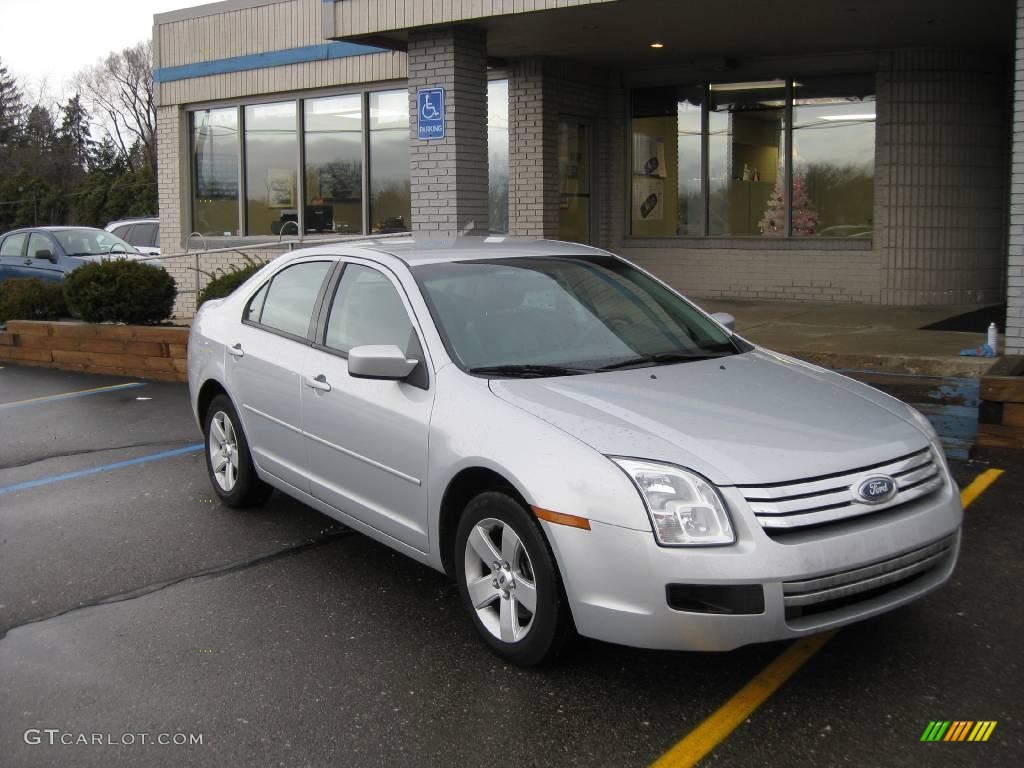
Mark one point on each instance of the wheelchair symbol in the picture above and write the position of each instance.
(429, 110)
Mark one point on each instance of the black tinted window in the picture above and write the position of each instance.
(291, 296)
(143, 235)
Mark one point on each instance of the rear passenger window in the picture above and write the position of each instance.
(12, 245)
(143, 236)
(368, 310)
(290, 298)
(252, 312)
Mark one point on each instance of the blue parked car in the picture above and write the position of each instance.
(49, 253)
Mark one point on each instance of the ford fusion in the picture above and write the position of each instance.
(577, 445)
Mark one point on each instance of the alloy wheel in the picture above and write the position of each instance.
(500, 579)
(222, 443)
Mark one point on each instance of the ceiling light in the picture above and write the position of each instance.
(763, 85)
(838, 118)
(657, 45)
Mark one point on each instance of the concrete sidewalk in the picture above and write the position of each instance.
(859, 336)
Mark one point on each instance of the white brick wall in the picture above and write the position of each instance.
(1015, 264)
(448, 177)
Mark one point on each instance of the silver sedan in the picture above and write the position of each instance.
(579, 446)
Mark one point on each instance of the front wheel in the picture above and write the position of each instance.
(228, 461)
(509, 581)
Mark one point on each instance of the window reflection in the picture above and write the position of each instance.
(746, 159)
(390, 201)
(271, 157)
(333, 135)
(215, 171)
(833, 158)
(497, 155)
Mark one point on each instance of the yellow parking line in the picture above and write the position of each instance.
(696, 745)
(978, 486)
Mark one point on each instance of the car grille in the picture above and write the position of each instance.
(837, 590)
(782, 507)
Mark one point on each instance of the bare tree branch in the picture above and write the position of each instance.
(121, 88)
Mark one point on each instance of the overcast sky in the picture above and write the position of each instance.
(45, 42)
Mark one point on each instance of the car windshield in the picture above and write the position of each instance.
(558, 315)
(91, 242)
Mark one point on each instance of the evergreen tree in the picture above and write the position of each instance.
(74, 135)
(11, 111)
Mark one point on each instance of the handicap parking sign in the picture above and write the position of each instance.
(430, 113)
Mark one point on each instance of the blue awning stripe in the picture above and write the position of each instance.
(321, 52)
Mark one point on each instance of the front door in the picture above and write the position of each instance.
(367, 439)
(574, 173)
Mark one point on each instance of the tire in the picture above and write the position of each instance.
(497, 598)
(235, 482)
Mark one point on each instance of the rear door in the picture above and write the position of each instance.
(12, 255)
(265, 361)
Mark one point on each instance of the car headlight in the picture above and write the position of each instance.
(685, 509)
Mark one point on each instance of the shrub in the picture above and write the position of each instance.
(120, 291)
(223, 284)
(31, 299)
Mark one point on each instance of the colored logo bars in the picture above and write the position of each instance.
(958, 730)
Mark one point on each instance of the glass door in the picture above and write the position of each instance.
(574, 174)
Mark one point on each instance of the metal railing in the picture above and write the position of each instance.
(245, 252)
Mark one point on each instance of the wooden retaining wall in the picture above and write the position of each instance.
(120, 350)
(1001, 413)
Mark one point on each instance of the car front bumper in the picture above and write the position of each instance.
(617, 579)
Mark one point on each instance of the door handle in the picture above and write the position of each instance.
(28, 262)
(236, 351)
(319, 383)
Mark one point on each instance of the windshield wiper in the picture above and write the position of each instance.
(528, 371)
(662, 358)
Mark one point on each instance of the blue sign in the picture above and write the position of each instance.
(430, 113)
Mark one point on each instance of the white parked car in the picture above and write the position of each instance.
(579, 446)
(143, 234)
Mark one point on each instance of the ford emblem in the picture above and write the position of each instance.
(875, 490)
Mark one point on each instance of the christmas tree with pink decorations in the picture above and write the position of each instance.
(805, 218)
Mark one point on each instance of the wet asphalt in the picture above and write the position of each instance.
(132, 603)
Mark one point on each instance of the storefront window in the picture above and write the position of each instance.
(390, 200)
(497, 154)
(666, 178)
(215, 171)
(333, 135)
(712, 160)
(271, 175)
(746, 159)
(833, 157)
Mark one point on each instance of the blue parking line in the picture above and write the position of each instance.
(70, 395)
(96, 470)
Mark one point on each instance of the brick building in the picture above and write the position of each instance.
(866, 151)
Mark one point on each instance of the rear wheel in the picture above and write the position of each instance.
(228, 460)
(509, 581)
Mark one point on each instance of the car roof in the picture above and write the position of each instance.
(417, 250)
(48, 229)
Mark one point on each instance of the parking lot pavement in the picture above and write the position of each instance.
(301, 644)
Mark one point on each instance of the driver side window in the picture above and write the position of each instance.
(368, 310)
(38, 243)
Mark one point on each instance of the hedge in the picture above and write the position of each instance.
(224, 284)
(31, 299)
(120, 291)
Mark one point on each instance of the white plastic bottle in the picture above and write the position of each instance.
(993, 337)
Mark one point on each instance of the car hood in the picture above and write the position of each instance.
(753, 418)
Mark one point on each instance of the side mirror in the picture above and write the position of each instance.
(45, 253)
(379, 361)
(724, 318)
